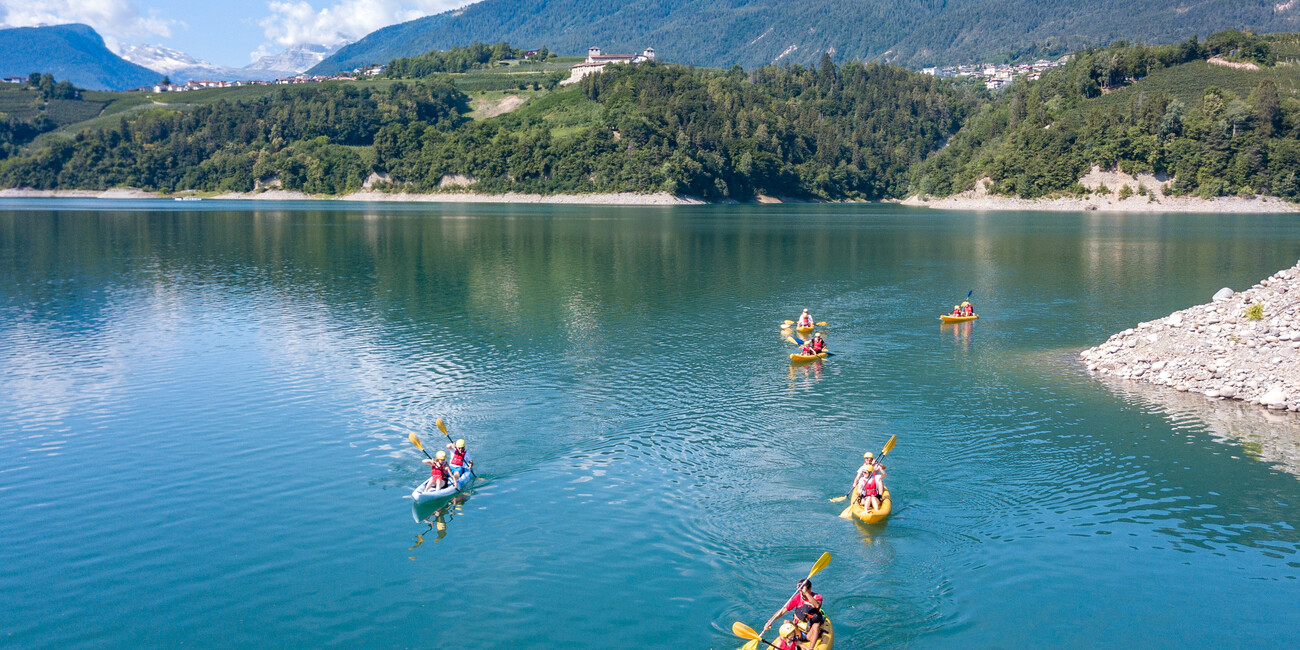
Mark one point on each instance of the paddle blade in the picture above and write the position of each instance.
(752, 645)
(788, 322)
(744, 631)
(821, 564)
(441, 427)
(415, 440)
(889, 445)
(791, 339)
(821, 323)
(839, 498)
(847, 513)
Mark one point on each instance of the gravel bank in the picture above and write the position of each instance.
(1217, 349)
(618, 198)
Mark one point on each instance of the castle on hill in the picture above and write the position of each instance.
(597, 60)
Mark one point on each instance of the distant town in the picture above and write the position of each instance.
(993, 75)
(997, 75)
(200, 84)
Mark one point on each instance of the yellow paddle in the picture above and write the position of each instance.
(443, 428)
(787, 323)
(746, 632)
(821, 323)
(888, 445)
(415, 440)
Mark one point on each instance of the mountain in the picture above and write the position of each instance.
(720, 33)
(74, 53)
(297, 58)
(182, 67)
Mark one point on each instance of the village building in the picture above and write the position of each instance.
(597, 60)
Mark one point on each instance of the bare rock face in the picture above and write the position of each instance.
(1243, 346)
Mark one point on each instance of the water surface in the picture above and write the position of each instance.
(204, 408)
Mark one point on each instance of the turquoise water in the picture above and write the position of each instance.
(204, 408)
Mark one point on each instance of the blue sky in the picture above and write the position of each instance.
(227, 32)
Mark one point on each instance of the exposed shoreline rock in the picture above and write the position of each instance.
(1146, 193)
(273, 194)
(1217, 349)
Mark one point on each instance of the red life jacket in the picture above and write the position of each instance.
(869, 486)
(436, 472)
(818, 345)
(458, 457)
(788, 644)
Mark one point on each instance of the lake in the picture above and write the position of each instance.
(204, 412)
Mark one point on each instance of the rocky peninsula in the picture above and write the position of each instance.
(1242, 346)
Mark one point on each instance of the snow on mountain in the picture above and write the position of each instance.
(182, 67)
(297, 58)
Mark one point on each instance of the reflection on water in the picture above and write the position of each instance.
(1267, 436)
(277, 358)
(436, 517)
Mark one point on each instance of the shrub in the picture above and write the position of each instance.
(1125, 192)
(1255, 312)
(1102, 189)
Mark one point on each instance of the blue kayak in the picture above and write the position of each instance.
(422, 493)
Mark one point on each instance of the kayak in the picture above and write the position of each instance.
(804, 330)
(422, 493)
(957, 319)
(824, 643)
(874, 516)
(807, 357)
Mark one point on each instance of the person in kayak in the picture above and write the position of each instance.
(460, 460)
(788, 637)
(805, 319)
(818, 343)
(803, 595)
(868, 484)
(809, 618)
(439, 470)
(967, 309)
(956, 310)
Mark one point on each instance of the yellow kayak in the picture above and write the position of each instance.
(804, 330)
(957, 319)
(874, 516)
(824, 643)
(807, 357)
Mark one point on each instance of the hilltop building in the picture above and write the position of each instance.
(597, 60)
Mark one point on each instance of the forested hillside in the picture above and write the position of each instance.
(832, 132)
(752, 33)
(1216, 130)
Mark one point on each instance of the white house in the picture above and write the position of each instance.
(597, 60)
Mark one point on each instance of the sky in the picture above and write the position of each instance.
(224, 32)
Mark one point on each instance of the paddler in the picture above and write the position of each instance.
(802, 596)
(818, 343)
(789, 637)
(810, 619)
(805, 320)
(967, 309)
(956, 311)
(460, 460)
(868, 484)
(439, 470)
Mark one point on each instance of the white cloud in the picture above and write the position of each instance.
(297, 22)
(115, 20)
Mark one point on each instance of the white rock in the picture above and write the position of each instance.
(1223, 294)
(1174, 321)
(1273, 397)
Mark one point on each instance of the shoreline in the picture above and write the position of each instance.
(1183, 205)
(1219, 349)
(1104, 186)
(613, 198)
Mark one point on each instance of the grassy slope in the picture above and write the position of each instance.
(1188, 82)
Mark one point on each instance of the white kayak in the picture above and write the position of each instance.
(422, 493)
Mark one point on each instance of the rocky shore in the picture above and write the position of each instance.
(619, 198)
(1242, 346)
(1107, 191)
